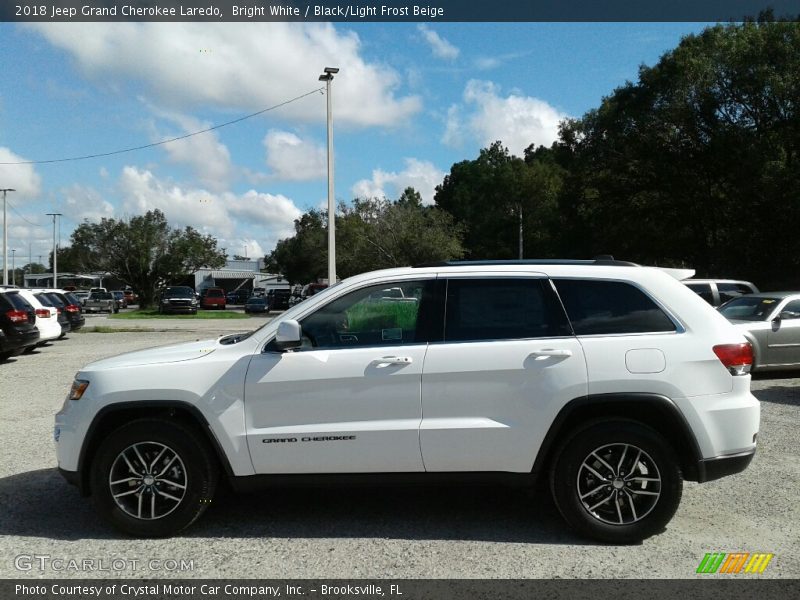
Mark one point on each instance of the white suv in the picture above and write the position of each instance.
(614, 381)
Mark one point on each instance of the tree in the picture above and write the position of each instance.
(379, 234)
(144, 251)
(371, 234)
(304, 256)
(489, 196)
(697, 162)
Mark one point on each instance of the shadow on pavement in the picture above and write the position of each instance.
(41, 504)
(779, 394)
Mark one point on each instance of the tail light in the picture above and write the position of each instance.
(59, 310)
(73, 308)
(17, 316)
(42, 313)
(737, 358)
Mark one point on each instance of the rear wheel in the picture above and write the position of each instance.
(616, 481)
(153, 477)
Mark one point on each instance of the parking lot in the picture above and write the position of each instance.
(460, 532)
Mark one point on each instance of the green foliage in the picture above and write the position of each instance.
(304, 256)
(486, 196)
(143, 251)
(697, 162)
(371, 234)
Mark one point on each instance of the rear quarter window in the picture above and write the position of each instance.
(598, 307)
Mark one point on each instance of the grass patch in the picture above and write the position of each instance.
(201, 314)
(107, 329)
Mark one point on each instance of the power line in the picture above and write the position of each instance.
(19, 214)
(161, 143)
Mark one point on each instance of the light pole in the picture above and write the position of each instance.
(5, 236)
(55, 250)
(327, 77)
(13, 266)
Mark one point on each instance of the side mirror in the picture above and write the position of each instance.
(289, 334)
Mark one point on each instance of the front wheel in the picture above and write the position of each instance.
(616, 481)
(153, 477)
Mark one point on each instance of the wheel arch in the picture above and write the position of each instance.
(114, 415)
(654, 410)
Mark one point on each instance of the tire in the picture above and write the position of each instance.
(185, 460)
(621, 508)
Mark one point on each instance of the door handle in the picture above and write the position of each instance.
(393, 360)
(551, 352)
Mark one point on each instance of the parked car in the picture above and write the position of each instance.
(74, 311)
(70, 306)
(239, 296)
(611, 380)
(81, 296)
(56, 300)
(719, 291)
(18, 324)
(101, 302)
(278, 299)
(256, 304)
(130, 297)
(46, 319)
(119, 297)
(771, 322)
(212, 298)
(177, 299)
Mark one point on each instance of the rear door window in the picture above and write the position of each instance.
(501, 309)
(597, 307)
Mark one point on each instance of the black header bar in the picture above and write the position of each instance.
(395, 10)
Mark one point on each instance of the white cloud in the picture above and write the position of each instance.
(423, 176)
(231, 218)
(516, 120)
(82, 202)
(440, 47)
(208, 158)
(22, 178)
(242, 66)
(293, 159)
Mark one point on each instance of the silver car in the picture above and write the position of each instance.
(771, 321)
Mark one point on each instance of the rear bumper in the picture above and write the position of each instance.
(710, 469)
(19, 340)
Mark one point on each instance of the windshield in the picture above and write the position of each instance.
(749, 308)
(178, 292)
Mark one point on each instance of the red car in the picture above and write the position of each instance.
(213, 298)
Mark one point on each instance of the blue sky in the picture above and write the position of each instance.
(410, 100)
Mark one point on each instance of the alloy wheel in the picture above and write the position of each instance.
(618, 484)
(148, 480)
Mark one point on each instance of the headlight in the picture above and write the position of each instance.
(78, 388)
(165, 301)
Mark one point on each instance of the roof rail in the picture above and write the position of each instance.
(605, 260)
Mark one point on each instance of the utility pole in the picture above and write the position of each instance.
(55, 250)
(13, 266)
(5, 235)
(327, 77)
